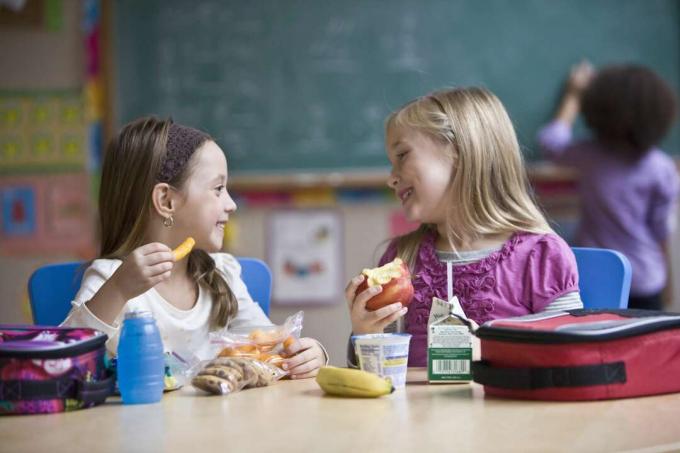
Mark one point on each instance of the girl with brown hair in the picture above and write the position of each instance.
(161, 183)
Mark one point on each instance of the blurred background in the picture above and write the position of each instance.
(295, 92)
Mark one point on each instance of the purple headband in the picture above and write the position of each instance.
(182, 142)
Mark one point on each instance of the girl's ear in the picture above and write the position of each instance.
(163, 199)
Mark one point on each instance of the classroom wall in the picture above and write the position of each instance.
(35, 59)
(32, 58)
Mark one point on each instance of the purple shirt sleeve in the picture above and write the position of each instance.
(663, 200)
(551, 272)
(554, 140)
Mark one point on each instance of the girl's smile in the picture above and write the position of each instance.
(404, 194)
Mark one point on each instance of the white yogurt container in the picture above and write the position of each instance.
(385, 354)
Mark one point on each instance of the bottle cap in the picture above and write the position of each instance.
(136, 313)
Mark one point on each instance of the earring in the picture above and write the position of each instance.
(168, 222)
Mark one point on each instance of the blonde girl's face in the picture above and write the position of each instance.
(421, 171)
(206, 206)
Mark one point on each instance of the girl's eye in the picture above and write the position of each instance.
(220, 188)
(402, 155)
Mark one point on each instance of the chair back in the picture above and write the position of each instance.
(604, 277)
(51, 288)
(258, 279)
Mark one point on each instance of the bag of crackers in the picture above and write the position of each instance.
(247, 357)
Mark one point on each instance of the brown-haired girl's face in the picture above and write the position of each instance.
(206, 205)
(421, 171)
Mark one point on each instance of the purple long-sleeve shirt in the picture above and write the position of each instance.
(528, 273)
(625, 206)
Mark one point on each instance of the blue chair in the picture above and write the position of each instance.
(258, 279)
(51, 288)
(604, 277)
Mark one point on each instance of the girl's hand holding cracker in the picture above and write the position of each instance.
(143, 269)
(307, 357)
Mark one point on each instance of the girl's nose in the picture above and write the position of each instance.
(392, 180)
(230, 204)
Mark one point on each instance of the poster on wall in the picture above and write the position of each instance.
(46, 214)
(42, 131)
(46, 206)
(18, 210)
(305, 252)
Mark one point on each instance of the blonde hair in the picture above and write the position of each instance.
(489, 189)
(129, 173)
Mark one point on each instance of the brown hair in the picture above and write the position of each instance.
(629, 108)
(130, 171)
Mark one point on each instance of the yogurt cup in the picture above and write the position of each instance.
(385, 354)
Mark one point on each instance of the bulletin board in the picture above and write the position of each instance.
(45, 189)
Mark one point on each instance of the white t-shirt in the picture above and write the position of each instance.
(182, 331)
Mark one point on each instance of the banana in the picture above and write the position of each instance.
(352, 383)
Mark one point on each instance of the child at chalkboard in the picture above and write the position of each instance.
(628, 186)
(458, 171)
(176, 187)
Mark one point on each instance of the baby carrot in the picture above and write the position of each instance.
(288, 342)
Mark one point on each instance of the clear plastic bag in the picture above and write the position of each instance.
(245, 358)
(262, 343)
(225, 375)
(179, 369)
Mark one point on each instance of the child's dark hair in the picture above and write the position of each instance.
(629, 108)
(133, 161)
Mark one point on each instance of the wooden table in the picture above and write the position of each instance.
(296, 416)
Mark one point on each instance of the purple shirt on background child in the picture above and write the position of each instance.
(524, 276)
(625, 206)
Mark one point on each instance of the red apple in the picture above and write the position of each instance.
(395, 279)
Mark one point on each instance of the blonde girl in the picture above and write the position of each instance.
(458, 170)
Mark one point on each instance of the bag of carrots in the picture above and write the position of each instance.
(264, 343)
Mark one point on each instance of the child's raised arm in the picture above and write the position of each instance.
(579, 79)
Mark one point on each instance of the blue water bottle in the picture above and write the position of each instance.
(141, 366)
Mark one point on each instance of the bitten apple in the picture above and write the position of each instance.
(395, 279)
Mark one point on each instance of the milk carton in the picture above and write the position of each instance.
(449, 343)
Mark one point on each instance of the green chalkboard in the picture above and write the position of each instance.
(305, 85)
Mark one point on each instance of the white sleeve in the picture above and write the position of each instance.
(569, 301)
(249, 312)
(94, 277)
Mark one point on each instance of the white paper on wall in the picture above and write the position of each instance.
(305, 253)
